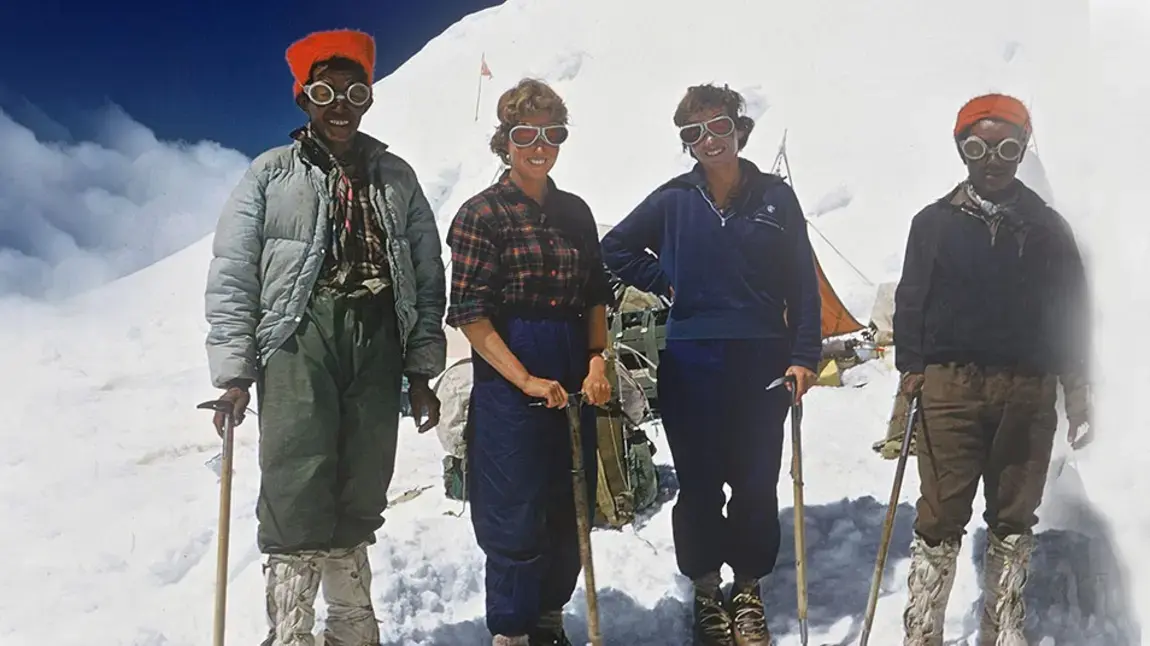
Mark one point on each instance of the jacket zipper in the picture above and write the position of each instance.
(722, 218)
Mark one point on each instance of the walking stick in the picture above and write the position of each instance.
(582, 515)
(225, 518)
(800, 518)
(888, 524)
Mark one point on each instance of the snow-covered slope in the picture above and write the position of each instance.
(109, 514)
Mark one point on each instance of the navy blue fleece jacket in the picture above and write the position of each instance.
(734, 273)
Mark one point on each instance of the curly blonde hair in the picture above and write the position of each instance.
(710, 97)
(529, 96)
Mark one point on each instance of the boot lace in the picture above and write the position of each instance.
(713, 621)
(750, 620)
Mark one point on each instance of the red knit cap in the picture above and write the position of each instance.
(993, 106)
(323, 45)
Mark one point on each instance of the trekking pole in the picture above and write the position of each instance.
(800, 517)
(225, 518)
(888, 524)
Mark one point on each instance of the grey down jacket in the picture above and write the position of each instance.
(269, 247)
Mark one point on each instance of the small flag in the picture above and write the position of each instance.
(483, 69)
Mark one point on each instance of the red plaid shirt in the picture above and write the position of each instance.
(509, 254)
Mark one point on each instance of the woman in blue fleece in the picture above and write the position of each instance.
(730, 250)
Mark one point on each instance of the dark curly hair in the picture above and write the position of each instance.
(710, 97)
(527, 97)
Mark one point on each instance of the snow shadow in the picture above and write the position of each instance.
(621, 620)
(472, 631)
(1077, 591)
(842, 544)
(842, 541)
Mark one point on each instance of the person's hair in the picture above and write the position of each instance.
(338, 64)
(710, 97)
(529, 96)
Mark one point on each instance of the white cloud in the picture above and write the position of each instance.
(74, 216)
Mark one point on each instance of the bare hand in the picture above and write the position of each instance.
(239, 399)
(550, 390)
(911, 383)
(596, 388)
(804, 379)
(423, 400)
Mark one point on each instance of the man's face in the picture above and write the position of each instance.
(338, 120)
(992, 152)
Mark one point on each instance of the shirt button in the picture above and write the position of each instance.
(553, 302)
(554, 273)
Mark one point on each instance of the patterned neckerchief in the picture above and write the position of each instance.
(356, 253)
(993, 214)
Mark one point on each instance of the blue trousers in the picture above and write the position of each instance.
(724, 427)
(520, 477)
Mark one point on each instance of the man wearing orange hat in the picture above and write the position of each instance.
(325, 290)
(991, 312)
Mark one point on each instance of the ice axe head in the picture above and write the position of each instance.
(218, 405)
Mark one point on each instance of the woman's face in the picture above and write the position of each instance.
(533, 145)
(717, 141)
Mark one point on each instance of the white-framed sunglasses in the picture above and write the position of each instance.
(975, 148)
(322, 93)
(693, 133)
(525, 136)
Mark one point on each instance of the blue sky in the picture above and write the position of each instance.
(125, 125)
(188, 69)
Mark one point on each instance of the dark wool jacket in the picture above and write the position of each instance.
(1007, 295)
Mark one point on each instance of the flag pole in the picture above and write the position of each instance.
(479, 90)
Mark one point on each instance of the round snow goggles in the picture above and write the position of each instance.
(693, 133)
(322, 93)
(525, 136)
(975, 148)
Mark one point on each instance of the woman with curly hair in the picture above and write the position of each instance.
(529, 291)
(731, 251)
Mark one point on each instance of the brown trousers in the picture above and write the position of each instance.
(983, 424)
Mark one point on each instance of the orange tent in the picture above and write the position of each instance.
(836, 318)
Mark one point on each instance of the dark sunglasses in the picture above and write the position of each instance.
(524, 136)
(693, 133)
(975, 148)
(322, 93)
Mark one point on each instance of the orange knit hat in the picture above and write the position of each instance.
(323, 45)
(993, 106)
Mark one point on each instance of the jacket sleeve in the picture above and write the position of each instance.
(804, 303)
(910, 298)
(232, 296)
(629, 248)
(426, 354)
(1072, 335)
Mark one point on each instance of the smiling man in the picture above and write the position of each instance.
(990, 313)
(325, 289)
